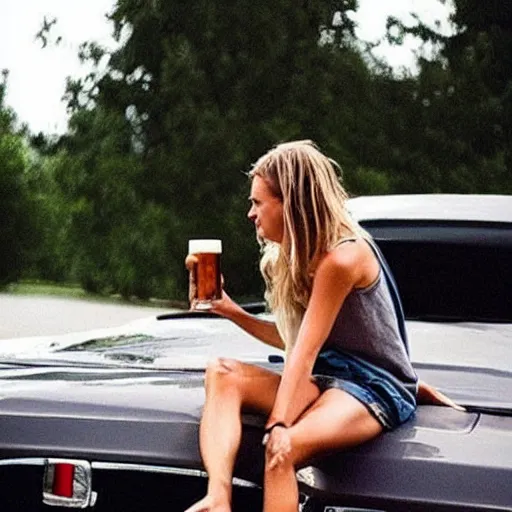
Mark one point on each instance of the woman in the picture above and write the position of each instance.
(347, 376)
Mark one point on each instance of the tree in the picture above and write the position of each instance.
(194, 94)
(461, 103)
(15, 206)
(159, 141)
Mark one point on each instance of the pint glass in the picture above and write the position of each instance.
(206, 271)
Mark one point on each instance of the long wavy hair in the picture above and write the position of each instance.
(315, 220)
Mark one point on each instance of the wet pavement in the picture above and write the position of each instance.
(24, 315)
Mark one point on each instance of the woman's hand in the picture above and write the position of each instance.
(427, 395)
(278, 446)
(225, 306)
(190, 263)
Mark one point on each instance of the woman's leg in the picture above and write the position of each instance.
(335, 421)
(231, 386)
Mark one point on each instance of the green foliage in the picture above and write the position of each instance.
(193, 96)
(459, 112)
(15, 205)
(368, 181)
(48, 258)
(159, 143)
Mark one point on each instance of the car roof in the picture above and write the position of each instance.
(440, 207)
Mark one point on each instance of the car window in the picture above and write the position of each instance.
(450, 275)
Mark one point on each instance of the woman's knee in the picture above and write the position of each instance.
(221, 373)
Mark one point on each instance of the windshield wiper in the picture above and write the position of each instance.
(254, 308)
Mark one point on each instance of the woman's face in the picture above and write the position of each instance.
(266, 211)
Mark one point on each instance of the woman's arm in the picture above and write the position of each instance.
(335, 277)
(264, 330)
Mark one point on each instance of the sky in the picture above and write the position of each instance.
(37, 76)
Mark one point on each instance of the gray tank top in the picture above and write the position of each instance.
(367, 326)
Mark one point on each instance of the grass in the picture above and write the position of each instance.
(74, 291)
(45, 288)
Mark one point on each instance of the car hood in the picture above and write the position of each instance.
(141, 416)
(171, 340)
(471, 362)
(134, 395)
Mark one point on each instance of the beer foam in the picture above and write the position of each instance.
(200, 246)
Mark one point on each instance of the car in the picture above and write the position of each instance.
(109, 419)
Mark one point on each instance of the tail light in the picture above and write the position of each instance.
(68, 483)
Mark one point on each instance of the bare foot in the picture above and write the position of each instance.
(208, 504)
(428, 395)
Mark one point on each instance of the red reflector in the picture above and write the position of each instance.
(63, 480)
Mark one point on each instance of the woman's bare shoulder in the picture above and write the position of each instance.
(354, 260)
(341, 260)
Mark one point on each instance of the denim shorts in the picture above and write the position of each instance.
(388, 400)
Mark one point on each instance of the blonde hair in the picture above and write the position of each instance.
(315, 220)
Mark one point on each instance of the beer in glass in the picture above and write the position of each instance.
(206, 271)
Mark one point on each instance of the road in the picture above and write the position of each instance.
(22, 316)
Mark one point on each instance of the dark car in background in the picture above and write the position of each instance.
(109, 419)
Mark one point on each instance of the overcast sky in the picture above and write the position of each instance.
(37, 76)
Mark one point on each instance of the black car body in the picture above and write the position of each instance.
(110, 418)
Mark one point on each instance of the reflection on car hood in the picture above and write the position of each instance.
(471, 362)
(189, 342)
(171, 343)
(481, 345)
